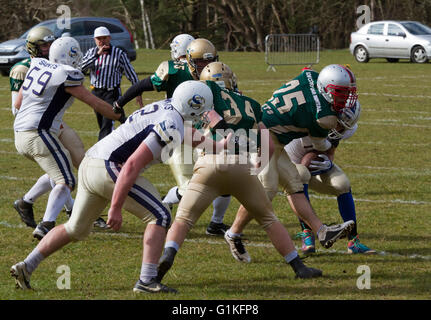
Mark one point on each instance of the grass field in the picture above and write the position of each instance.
(387, 160)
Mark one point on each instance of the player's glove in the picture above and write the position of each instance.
(319, 167)
(123, 117)
(116, 108)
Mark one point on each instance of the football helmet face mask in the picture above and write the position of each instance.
(221, 74)
(36, 37)
(199, 53)
(66, 50)
(192, 99)
(348, 120)
(179, 46)
(337, 84)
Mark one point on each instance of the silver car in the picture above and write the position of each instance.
(392, 40)
(82, 29)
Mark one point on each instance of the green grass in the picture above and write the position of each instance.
(387, 161)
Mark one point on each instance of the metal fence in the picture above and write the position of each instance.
(290, 49)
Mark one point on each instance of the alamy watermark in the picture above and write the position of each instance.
(245, 146)
(365, 16)
(364, 280)
(63, 281)
(63, 21)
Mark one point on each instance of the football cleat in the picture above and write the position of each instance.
(217, 229)
(302, 271)
(152, 287)
(308, 241)
(42, 229)
(25, 211)
(237, 248)
(355, 246)
(21, 275)
(329, 234)
(100, 223)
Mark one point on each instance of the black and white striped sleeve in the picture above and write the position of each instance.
(128, 68)
(89, 58)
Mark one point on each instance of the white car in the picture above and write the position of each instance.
(392, 40)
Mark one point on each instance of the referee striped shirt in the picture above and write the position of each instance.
(106, 70)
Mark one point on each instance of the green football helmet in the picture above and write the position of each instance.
(36, 37)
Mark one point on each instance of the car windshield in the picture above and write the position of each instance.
(51, 25)
(416, 28)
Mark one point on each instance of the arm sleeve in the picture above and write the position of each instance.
(135, 90)
(89, 58)
(320, 144)
(74, 77)
(154, 143)
(14, 95)
(128, 68)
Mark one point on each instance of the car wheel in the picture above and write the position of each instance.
(419, 55)
(361, 54)
(392, 60)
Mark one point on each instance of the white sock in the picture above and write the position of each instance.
(41, 187)
(172, 196)
(148, 272)
(69, 204)
(56, 200)
(291, 255)
(33, 260)
(220, 205)
(172, 244)
(233, 235)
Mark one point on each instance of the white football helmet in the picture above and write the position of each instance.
(348, 118)
(191, 99)
(179, 46)
(66, 50)
(337, 84)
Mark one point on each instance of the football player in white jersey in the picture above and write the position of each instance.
(111, 171)
(48, 90)
(38, 42)
(328, 178)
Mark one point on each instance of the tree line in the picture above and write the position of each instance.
(234, 25)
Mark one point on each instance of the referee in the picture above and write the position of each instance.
(107, 64)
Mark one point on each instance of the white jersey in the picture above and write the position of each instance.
(158, 117)
(44, 97)
(297, 148)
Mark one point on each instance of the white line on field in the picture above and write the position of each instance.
(217, 242)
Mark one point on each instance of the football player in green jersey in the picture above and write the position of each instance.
(308, 105)
(38, 42)
(189, 57)
(223, 172)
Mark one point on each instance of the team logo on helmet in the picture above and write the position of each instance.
(73, 52)
(196, 102)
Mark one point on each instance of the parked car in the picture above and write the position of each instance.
(82, 29)
(392, 40)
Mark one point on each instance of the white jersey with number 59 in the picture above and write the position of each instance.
(44, 96)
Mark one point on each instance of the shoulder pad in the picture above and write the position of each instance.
(18, 72)
(165, 130)
(163, 71)
(327, 122)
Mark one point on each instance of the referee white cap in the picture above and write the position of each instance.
(101, 32)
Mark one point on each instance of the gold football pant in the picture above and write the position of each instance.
(216, 175)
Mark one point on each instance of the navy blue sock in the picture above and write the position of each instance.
(346, 206)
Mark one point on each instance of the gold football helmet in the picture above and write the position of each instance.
(220, 73)
(36, 37)
(199, 53)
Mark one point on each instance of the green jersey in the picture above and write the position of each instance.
(297, 109)
(17, 74)
(238, 111)
(169, 75)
